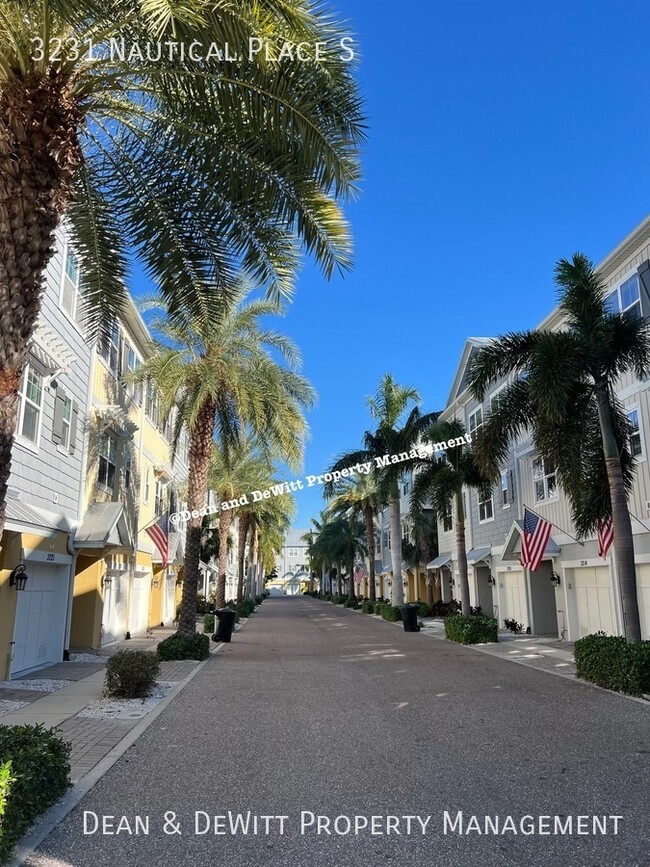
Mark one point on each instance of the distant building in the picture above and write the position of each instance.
(292, 563)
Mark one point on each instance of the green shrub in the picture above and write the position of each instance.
(245, 608)
(351, 603)
(368, 607)
(340, 600)
(208, 623)
(609, 661)
(195, 646)
(38, 775)
(424, 609)
(203, 605)
(391, 613)
(471, 629)
(259, 599)
(131, 674)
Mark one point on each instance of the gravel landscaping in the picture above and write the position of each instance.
(11, 706)
(39, 684)
(127, 708)
(95, 658)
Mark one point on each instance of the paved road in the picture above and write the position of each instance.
(317, 709)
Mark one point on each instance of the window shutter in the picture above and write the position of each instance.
(57, 425)
(73, 427)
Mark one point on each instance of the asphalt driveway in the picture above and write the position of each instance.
(314, 711)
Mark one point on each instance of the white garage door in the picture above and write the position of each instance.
(139, 608)
(39, 631)
(512, 598)
(594, 601)
(643, 583)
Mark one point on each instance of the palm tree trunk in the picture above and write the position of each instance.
(39, 157)
(429, 583)
(225, 520)
(397, 594)
(351, 594)
(623, 538)
(370, 542)
(461, 554)
(253, 589)
(244, 521)
(200, 450)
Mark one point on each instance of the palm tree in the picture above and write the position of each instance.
(398, 437)
(443, 478)
(200, 166)
(565, 393)
(275, 513)
(361, 498)
(341, 540)
(221, 376)
(422, 547)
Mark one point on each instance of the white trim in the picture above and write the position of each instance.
(479, 501)
(495, 392)
(30, 444)
(588, 563)
(636, 407)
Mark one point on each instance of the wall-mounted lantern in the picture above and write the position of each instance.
(17, 577)
(491, 581)
(155, 583)
(106, 580)
(555, 579)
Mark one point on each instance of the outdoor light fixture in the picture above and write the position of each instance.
(491, 581)
(555, 579)
(155, 583)
(451, 582)
(17, 577)
(106, 580)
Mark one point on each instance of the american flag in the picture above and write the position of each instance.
(359, 574)
(534, 539)
(605, 536)
(159, 533)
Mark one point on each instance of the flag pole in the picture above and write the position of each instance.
(557, 527)
(146, 526)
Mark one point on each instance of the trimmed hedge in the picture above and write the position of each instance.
(208, 623)
(39, 775)
(391, 613)
(424, 609)
(368, 607)
(609, 661)
(471, 629)
(195, 646)
(131, 674)
(351, 603)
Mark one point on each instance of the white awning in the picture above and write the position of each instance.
(439, 562)
(50, 350)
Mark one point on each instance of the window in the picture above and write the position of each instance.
(475, 420)
(184, 447)
(147, 484)
(66, 422)
(447, 520)
(127, 469)
(109, 349)
(486, 508)
(292, 552)
(107, 460)
(506, 492)
(496, 400)
(636, 441)
(132, 363)
(70, 299)
(625, 297)
(544, 481)
(377, 543)
(168, 427)
(151, 402)
(31, 404)
(387, 539)
(159, 498)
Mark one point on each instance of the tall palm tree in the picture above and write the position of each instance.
(397, 434)
(443, 478)
(222, 376)
(565, 393)
(341, 540)
(200, 166)
(275, 512)
(362, 499)
(422, 547)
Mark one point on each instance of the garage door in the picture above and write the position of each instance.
(594, 601)
(512, 598)
(116, 596)
(39, 630)
(643, 583)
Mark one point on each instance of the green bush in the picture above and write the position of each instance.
(351, 603)
(340, 600)
(391, 613)
(609, 661)
(368, 607)
(471, 628)
(208, 623)
(245, 608)
(131, 674)
(259, 599)
(424, 609)
(38, 775)
(184, 647)
(203, 605)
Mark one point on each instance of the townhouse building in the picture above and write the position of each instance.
(574, 592)
(45, 494)
(120, 586)
(292, 564)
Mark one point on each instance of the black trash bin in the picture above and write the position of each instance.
(410, 617)
(226, 618)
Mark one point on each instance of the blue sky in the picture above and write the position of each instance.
(502, 136)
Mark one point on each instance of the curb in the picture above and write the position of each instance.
(46, 823)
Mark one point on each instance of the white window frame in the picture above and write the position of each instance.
(292, 552)
(32, 445)
(386, 540)
(472, 429)
(544, 478)
(74, 316)
(133, 390)
(147, 484)
(637, 409)
(617, 290)
(66, 425)
(447, 518)
(507, 490)
(481, 502)
(109, 436)
(151, 403)
(112, 348)
(159, 498)
(495, 394)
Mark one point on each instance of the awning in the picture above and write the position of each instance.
(20, 515)
(115, 416)
(476, 555)
(440, 561)
(512, 546)
(104, 526)
(50, 350)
